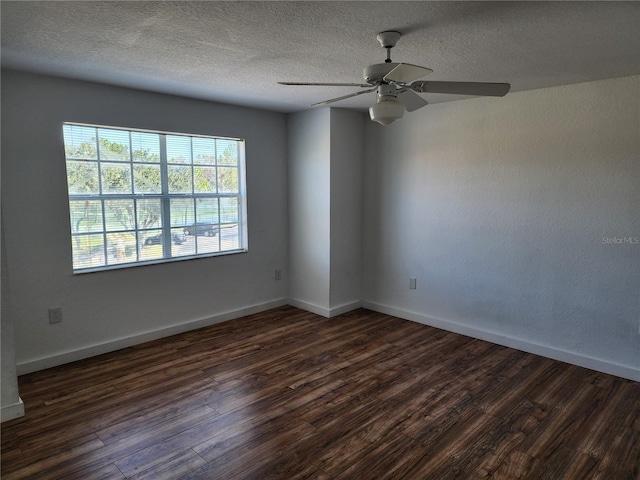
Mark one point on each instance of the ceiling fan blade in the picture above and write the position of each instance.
(411, 100)
(343, 97)
(306, 84)
(462, 88)
(405, 73)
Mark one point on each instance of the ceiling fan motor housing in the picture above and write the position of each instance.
(373, 74)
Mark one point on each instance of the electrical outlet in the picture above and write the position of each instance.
(412, 283)
(55, 315)
(277, 275)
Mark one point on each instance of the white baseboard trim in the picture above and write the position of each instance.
(15, 410)
(573, 358)
(344, 308)
(325, 312)
(309, 307)
(82, 353)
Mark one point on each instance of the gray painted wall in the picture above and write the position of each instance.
(309, 156)
(325, 209)
(499, 206)
(107, 310)
(347, 151)
(10, 401)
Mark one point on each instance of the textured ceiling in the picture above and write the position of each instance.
(235, 52)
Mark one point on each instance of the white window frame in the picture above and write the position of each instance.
(166, 228)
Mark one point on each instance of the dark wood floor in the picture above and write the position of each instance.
(290, 395)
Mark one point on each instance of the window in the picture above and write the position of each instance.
(139, 197)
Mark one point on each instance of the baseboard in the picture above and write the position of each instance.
(573, 358)
(344, 308)
(92, 351)
(309, 307)
(15, 410)
(325, 312)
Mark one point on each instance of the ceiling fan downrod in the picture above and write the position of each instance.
(388, 40)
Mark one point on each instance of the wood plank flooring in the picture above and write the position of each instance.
(287, 394)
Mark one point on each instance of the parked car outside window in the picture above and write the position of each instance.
(177, 238)
(206, 229)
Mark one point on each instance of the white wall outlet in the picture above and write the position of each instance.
(277, 275)
(55, 315)
(412, 283)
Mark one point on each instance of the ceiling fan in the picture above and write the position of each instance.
(397, 85)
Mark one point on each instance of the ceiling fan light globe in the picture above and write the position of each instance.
(386, 112)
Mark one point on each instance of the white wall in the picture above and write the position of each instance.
(499, 208)
(10, 401)
(325, 209)
(106, 310)
(347, 150)
(309, 156)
